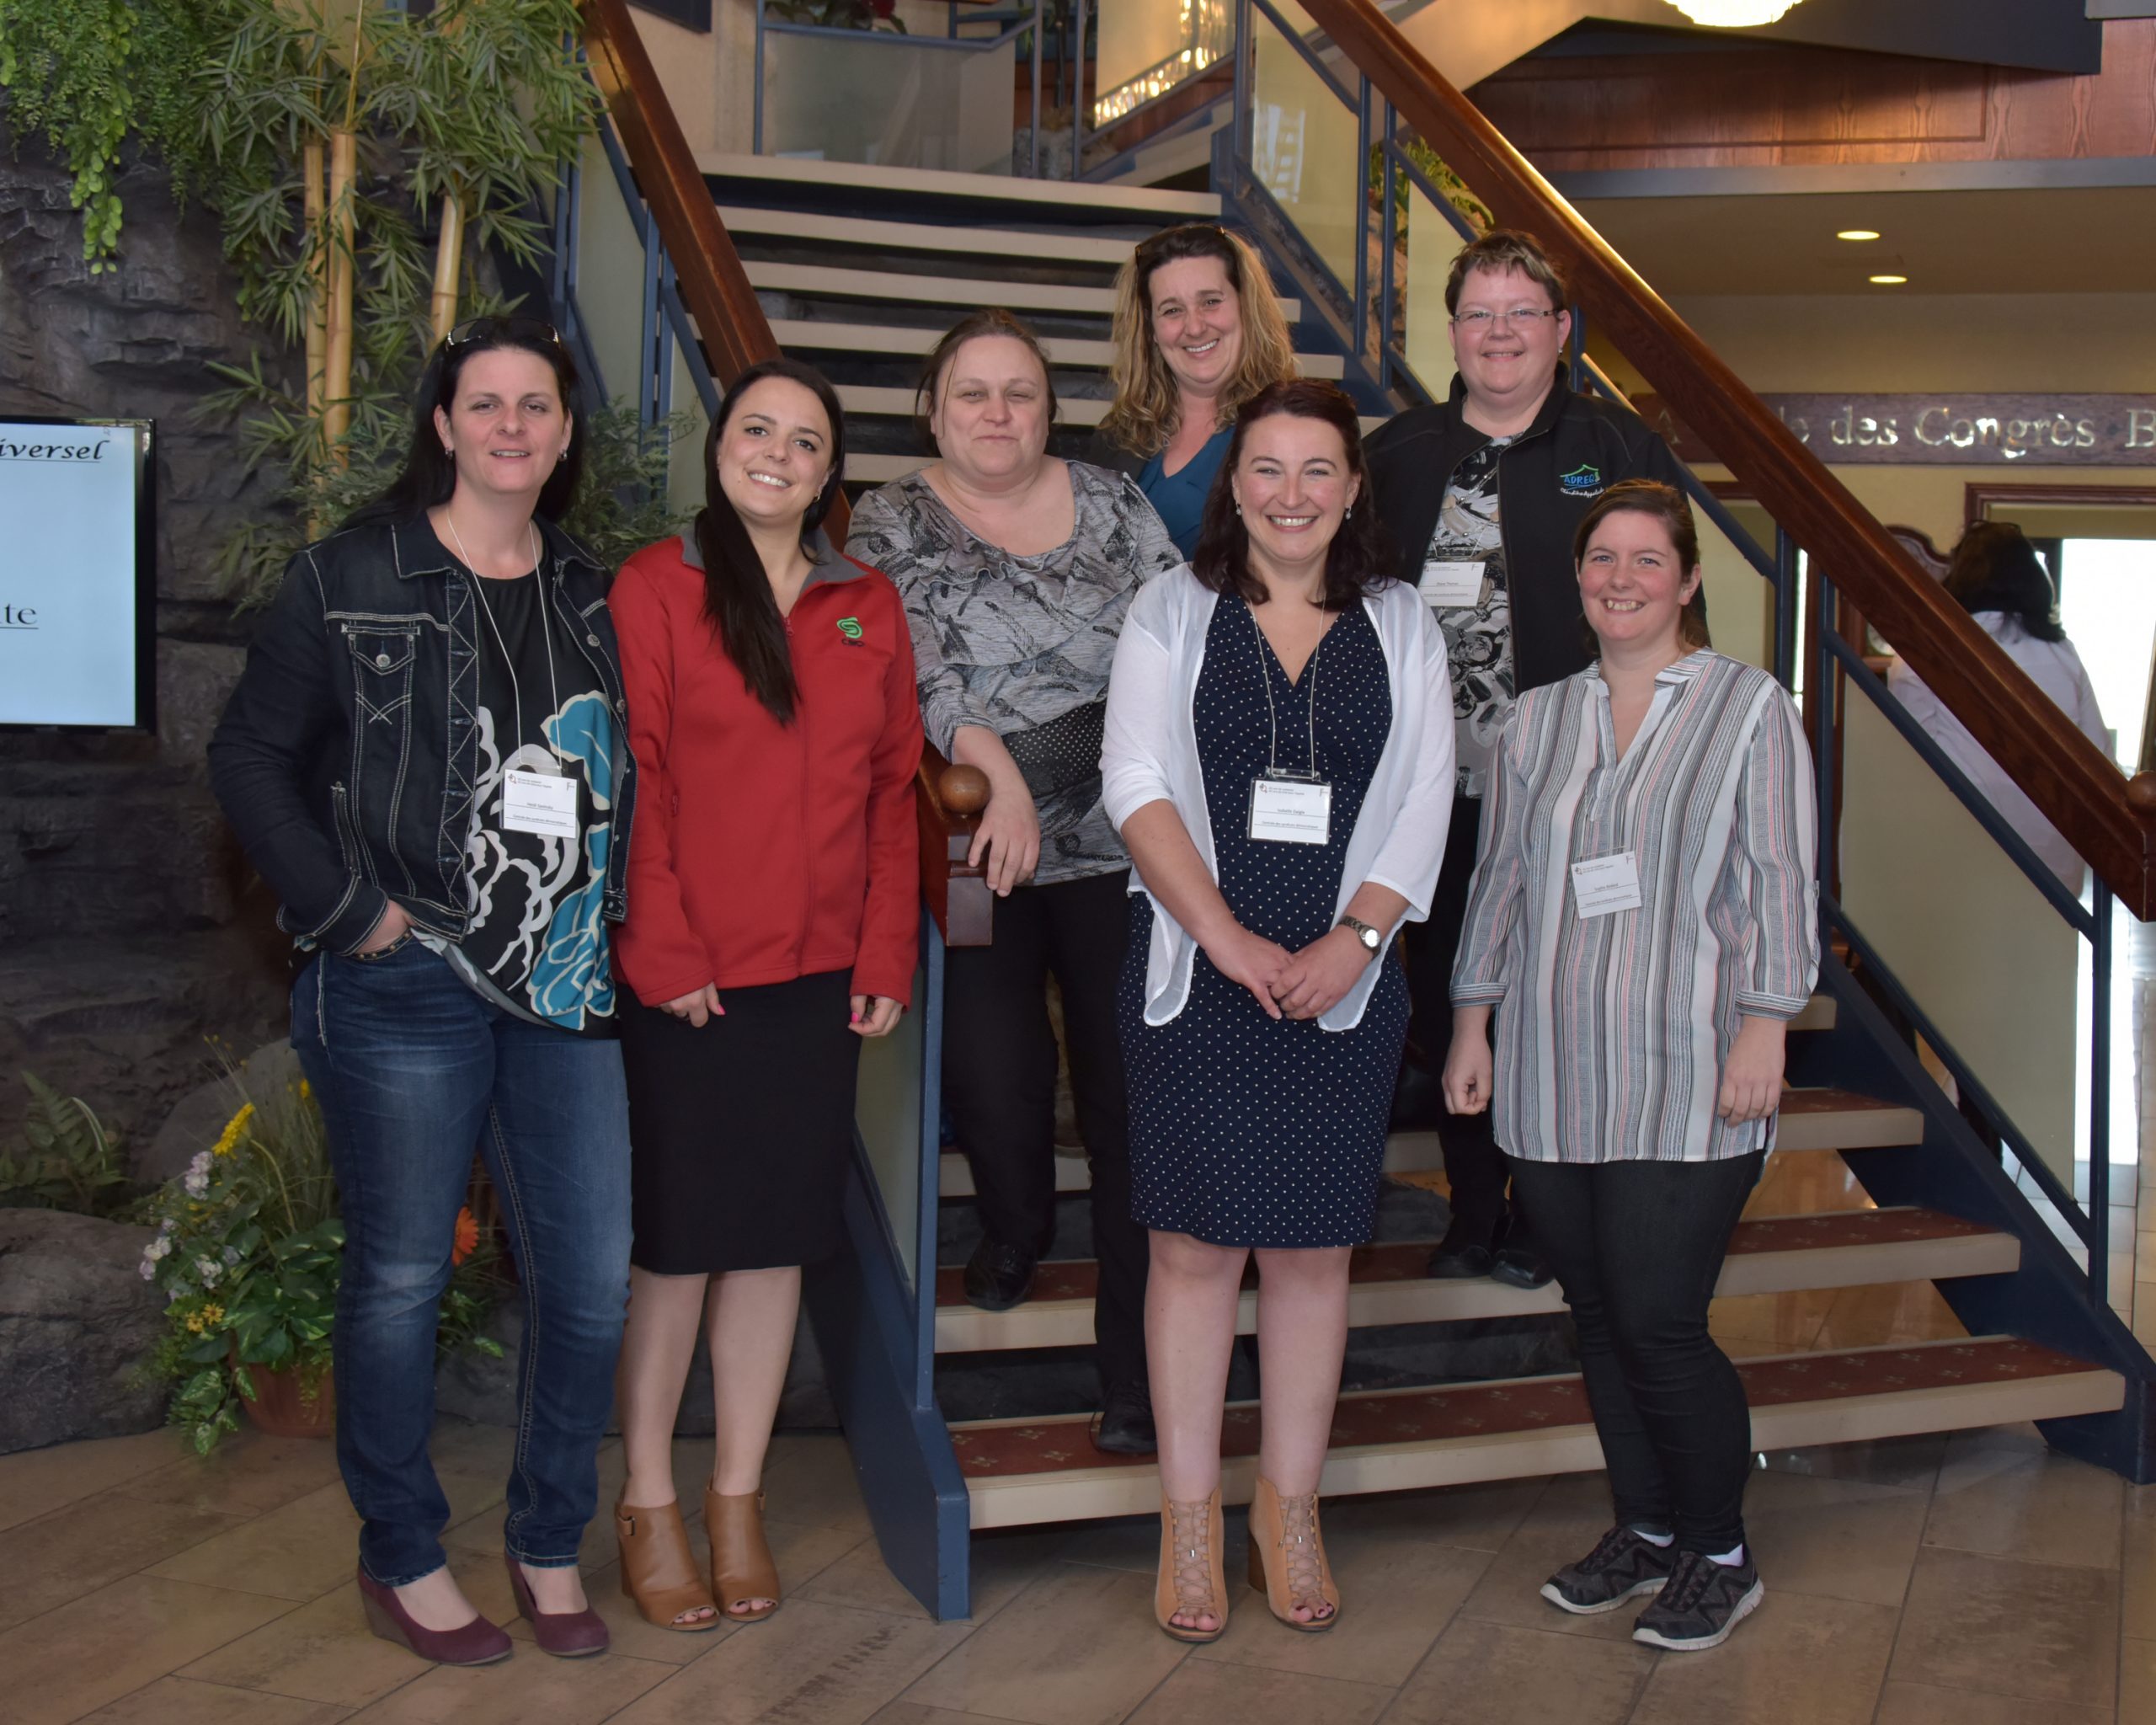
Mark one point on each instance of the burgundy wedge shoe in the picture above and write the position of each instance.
(477, 1642)
(567, 1635)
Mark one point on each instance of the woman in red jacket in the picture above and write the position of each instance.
(775, 874)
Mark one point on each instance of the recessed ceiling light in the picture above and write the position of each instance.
(1858, 233)
(1890, 281)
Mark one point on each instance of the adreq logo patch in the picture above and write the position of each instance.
(1582, 481)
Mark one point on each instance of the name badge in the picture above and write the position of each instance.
(1290, 811)
(1450, 584)
(1602, 884)
(542, 802)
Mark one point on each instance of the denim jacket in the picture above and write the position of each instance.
(346, 758)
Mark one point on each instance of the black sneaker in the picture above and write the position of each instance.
(1521, 1266)
(998, 1277)
(1621, 1567)
(1700, 1604)
(1464, 1254)
(1124, 1424)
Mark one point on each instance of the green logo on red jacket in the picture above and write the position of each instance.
(849, 627)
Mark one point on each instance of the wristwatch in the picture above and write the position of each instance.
(1371, 941)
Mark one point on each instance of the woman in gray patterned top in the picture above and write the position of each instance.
(1016, 570)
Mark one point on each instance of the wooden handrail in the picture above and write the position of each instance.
(2112, 820)
(735, 335)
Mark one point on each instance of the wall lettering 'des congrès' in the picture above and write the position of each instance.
(1952, 430)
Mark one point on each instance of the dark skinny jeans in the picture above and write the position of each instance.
(1638, 1247)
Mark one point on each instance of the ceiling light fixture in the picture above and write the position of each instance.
(1858, 233)
(1733, 14)
(1890, 281)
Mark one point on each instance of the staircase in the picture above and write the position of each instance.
(1020, 1470)
(859, 270)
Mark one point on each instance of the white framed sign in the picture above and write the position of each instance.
(77, 575)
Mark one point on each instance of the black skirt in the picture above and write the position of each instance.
(739, 1132)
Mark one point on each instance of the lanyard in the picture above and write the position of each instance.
(1272, 767)
(546, 640)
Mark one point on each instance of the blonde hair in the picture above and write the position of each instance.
(1147, 405)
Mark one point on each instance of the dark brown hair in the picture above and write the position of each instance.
(994, 320)
(1359, 560)
(1503, 248)
(738, 596)
(1995, 567)
(1666, 504)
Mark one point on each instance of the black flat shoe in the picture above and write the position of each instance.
(998, 1277)
(1124, 1424)
(1520, 1267)
(1463, 1255)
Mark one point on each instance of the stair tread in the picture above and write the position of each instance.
(886, 182)
(823, 336)
(925, 235)
(1812, 1119)
(916, 286)
(1489, 1412)
(1405, 1260)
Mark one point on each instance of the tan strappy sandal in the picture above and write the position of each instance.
(1287, 1560)
(658, 1571)
(741, 1563)
(1191, 1580)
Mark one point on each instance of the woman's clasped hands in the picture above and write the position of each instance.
(1304, 985)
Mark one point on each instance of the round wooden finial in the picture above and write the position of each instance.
(2141, 792)
(963, 789)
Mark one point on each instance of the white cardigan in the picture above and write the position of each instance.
(1150, 754)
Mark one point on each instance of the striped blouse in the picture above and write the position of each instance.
(1611, 1030)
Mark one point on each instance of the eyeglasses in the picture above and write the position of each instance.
(1480, 322)
(478, 329)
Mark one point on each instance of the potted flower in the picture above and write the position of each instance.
(248, 1253)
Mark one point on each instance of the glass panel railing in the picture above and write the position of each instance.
(887, 1115)
(888, 100)
(1420, 273)
(610, 274)
(684, 460)
(1305, 143)
(1146, 48)
(1962, 929)
(1740, 604)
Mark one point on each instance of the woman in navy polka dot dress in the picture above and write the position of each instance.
(1279, 760)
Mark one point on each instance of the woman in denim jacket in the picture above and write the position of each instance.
(426, 758)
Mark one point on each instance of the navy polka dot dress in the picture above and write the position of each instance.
(1246, 1130)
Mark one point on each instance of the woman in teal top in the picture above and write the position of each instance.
(1197, 333)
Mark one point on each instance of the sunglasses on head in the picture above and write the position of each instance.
(480, 328)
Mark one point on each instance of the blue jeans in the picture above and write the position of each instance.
(414, 1071)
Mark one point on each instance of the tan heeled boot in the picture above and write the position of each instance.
(1287, 1559)
(741, 1565)
(658, 1571)
(1191, 1580)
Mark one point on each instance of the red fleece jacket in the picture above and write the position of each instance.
(765, 851)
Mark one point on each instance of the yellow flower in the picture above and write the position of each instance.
(306, 1090)
(212, 1316)
(194, 1322)
(229, 1138)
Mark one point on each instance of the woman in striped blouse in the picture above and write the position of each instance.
(1643, 921)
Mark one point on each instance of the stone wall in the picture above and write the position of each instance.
(129, 927)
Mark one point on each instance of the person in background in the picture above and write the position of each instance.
(1016, 570)
(1997, 577)
(1481, 494)
(1279, 759)
(778, 874)
(1644, 921)
(1197, 333)
(425, 759)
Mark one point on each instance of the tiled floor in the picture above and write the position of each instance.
(1977, 1579)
